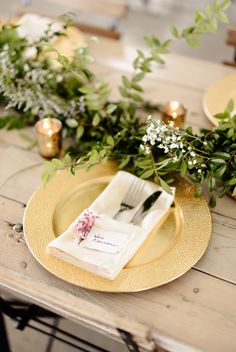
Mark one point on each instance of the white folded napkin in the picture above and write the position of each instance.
(110, 243)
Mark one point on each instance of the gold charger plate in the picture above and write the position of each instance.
(168, 252)
(218, 95)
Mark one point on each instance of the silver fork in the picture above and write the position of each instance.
(132, 196)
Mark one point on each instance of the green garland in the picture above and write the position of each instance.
(102, 129)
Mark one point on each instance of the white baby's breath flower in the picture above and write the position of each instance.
(145, 139)
(165, 137)
(26, 67)
(59, 78)
(30, 53)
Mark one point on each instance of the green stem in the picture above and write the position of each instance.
(154, 164)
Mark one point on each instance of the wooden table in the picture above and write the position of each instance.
(195, 312)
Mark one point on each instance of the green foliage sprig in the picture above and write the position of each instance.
(103, 129)
(160, 151)
(204, 22)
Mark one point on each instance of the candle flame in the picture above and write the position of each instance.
(46, 125)
(174, 115)
(174, 105)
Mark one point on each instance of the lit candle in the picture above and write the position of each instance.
(49, 137)
(174, 111)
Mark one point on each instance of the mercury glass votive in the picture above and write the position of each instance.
(48, 133)
(174, 111)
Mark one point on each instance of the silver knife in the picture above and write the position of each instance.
(145, 207)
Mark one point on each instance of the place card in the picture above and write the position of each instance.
(105, 241)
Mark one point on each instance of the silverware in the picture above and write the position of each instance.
(132, 196)
(145, 207)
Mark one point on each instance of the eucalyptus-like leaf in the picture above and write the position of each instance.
(212, 201)
(124, 162)
(111, 108)
(94, 156)
(174, 32)
(136, 97)
(96, 120)
(110, 141)
(165, 186)
(124, 92)
(79, 132)
(57, 163)
(72, 123)
(126, 82)
(230, 107)
(147, 173)
(183, 168)
(138, 77)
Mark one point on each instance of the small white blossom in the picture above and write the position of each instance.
(194, 162)
(165, 137)
(145, 139)
(59, 78)
(193, 154)
(30, 52)
(26, 67)
(6, 47)
(166, 150)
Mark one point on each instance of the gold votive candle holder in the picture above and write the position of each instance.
(48, 133)
(174, 111)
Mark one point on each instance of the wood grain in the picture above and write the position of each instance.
(195, 312)
(196, 300)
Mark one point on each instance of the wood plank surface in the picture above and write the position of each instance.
(31, 275)
(196, 312)
(196, 300)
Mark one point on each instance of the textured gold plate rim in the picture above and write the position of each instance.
(195, 236)
(208, 95)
